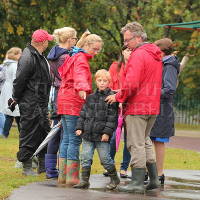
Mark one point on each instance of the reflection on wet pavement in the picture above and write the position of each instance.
(179, 185)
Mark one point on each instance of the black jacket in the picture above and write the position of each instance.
(33, 79)
(97, 117)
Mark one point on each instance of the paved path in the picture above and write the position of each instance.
(186, 140)
(179, 185)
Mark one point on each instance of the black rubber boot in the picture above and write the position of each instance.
(27, 168)
(153, 176)
(114, 179)
(137, 183)
(85, 175)
(41, 165)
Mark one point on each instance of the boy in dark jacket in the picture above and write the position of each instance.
(96, 125)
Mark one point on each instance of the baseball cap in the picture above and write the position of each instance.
(41, 35)
(164, 43)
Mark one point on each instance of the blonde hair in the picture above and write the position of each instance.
(13, 52)
(87, 38)
(104, 73)
(61, 35)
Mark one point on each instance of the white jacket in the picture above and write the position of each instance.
(6, 91)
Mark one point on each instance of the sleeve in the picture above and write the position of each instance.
(132, 79)
(81, 74)
(169, 81)
(25, 70)
(81, 119)
(111, 119)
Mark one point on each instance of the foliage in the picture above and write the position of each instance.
(19, 18)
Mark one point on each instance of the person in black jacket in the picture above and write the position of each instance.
(96, 124)
(31, 92)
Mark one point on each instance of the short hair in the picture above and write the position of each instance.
(13, 52)
(135, 28)
(102, 72)
(61, 35)
(87, 38)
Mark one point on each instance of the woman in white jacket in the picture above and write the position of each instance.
(10, 68)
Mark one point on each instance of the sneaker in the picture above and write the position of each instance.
(123, 174)
(18, 164)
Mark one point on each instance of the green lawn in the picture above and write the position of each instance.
(187, 127)
(11, 178)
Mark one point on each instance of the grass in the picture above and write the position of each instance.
(187, 127)
(11, 178)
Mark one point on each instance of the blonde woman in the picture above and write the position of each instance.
(76, 84)
(10, 68)
(65, 39)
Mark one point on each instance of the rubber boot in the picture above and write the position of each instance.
(153, 176)
(137, 183)
(114, 179)
(85, 175)
(62, 171)
(50, 166)
(41, 166)
(27, 168)
(72, 172)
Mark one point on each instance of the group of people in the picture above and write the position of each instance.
(141, 83)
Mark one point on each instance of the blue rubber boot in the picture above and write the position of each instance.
(50, 166)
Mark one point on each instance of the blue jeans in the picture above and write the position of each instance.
(126, 154)
(70, 143)
(103, 149)
(2, 121)
(8, 124)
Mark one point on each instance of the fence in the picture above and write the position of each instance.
(187, 111)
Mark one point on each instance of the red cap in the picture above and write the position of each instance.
(41, 36)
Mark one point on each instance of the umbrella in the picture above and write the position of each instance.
(50, 135)
(119, 129)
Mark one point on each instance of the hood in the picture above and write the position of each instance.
(76, 50)
(9, 61)
(56, 52)
(171, 60)
(152, 49)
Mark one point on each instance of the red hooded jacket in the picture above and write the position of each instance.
(141, 88)
(76, 76)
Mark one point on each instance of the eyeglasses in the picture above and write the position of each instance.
(128, 40)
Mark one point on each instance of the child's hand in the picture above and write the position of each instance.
(105, 138)
(78, 132)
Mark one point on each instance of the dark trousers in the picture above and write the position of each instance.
(54, 143)
(8, 124)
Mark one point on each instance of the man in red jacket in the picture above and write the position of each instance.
(141, 94)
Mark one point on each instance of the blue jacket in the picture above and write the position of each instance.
(171, 67)
(56, 52)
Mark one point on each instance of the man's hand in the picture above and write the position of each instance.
(105, 138)
(78, 132)
(82, 94)
(111, 99)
